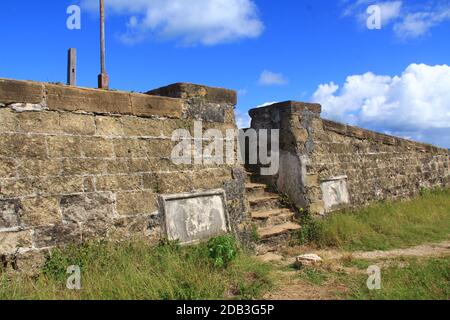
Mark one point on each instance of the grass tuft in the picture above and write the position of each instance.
(387, 225)
(137, 271)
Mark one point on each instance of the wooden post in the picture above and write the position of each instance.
(103, 79)
(72, 67)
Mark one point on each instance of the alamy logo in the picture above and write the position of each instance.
(74, 280)
(74, 20)
(374, 280)
(374, 17)
(234, 148)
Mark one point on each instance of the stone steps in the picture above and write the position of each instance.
(274, 222)
(272, 217)
(266, 201)
(255, 189)
(277, 230)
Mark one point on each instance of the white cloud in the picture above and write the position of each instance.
(415, 104)
(207, 22)
(268, 78)
(419, 23)
(408, 21)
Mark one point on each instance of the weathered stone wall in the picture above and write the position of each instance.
(82, 164)
(325, 165)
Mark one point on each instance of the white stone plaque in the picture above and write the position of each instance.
(193, 217)
(335, 193)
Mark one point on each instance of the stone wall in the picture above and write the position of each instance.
(82, 164)
(325, 166)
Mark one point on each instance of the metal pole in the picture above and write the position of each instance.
(103, 80)
(72, 67)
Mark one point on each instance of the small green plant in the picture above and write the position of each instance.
(222, 250)
(255, 235)
(310, 228)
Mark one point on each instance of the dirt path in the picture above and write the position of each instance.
(426, 250)
(291, 287)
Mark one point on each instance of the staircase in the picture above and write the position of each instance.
(275, 222)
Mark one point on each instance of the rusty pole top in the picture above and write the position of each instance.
(103, 80)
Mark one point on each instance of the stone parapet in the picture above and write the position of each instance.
(79, 164)
(189, 91)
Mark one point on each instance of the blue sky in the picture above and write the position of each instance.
(395, 80)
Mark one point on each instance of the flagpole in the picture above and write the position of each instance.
(103, 79)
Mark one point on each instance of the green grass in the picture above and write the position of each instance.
(419, 280)
(138, 271)
(386, 225)
(314, 276)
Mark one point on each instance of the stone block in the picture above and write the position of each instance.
(13, 91)
(10, 213)
(160, 148)
(109, 126)
(171, 125)
(138, 127)
(29, 263)
(174, 182)
(12, 188)
(141, 165)
(97, 148)
(8, 168)
(143, 105)
(39, 168)
(211, 178)
(89, 100)
(57, 235)
(77, 124)
(8, 120)
(190, 90)
(133, 203)
(87, 207)
(39, 122)
(129, 148)
(65, 146)
(21, 146)
(119, 183)
(140, 227)
(116, 166)
(334, 126)
(286, 106)
(357, 132)
(40, 211)
(83, 166)
(58, 185)
(11, 242)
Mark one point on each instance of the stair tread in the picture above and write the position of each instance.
(264, 214)
(252, 185)
(264, 198)
(268, 232)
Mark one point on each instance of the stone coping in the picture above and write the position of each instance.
(364, 134)
(185, 90)
(293, 106)
(34, 96)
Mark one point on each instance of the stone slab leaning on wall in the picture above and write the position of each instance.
(80, 164)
